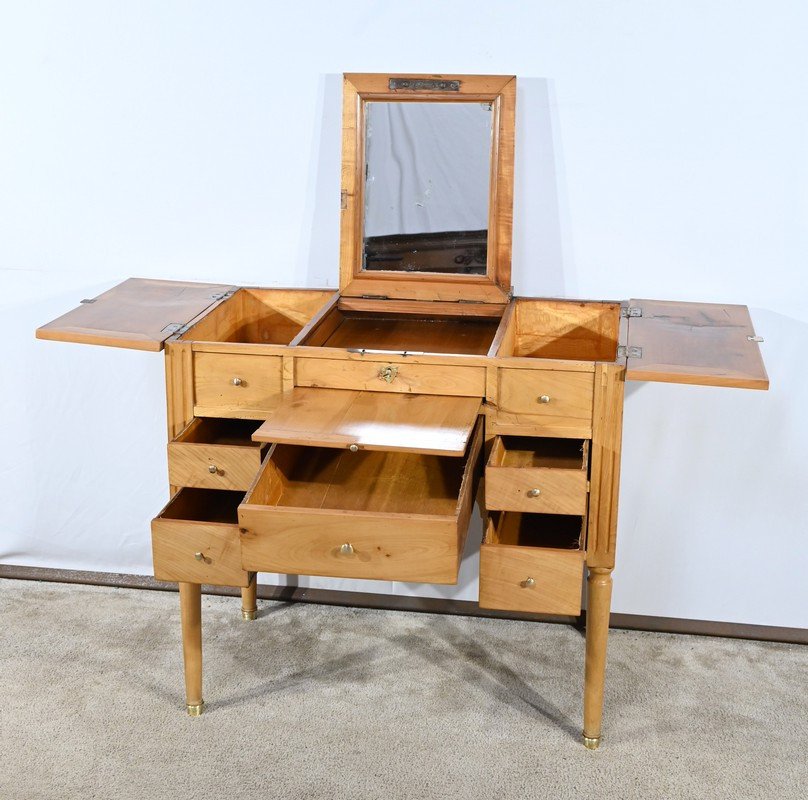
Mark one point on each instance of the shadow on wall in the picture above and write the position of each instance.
(542, 256)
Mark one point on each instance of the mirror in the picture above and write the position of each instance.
(427, 187)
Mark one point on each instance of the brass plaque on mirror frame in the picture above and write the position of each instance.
(423, 85)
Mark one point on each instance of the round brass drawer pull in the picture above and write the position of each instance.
(545, 398)
(354, 448)
(213, 469)
(528, 583)
(346, 549)
(533, 492)
(236, 381)
(202, 557)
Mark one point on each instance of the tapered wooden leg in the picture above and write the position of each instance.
(597, 634)
(191, 613)
(249, 601)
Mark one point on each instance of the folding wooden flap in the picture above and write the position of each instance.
(698, 343)
(139, 314)
(343, 418)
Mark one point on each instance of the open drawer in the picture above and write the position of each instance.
(366, 514)
(215, 453)
(195, 538)
(532, 562)
(540, 475)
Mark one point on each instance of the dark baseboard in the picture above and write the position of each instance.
(430, 605)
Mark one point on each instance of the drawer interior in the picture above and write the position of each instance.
(383, 482)
(539, 453)
(213, 430)
(259, 316)
(419, 333)
(204, 505)
(558, 531)
(583, 331)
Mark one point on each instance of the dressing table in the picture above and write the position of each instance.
(349, 434)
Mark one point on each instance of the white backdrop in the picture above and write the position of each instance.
(661, 152)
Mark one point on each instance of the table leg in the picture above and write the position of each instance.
(597, 634)
(249, 601)
(191, 614)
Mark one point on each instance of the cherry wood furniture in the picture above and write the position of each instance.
(345, 433)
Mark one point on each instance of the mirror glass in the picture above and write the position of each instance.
(427, 176)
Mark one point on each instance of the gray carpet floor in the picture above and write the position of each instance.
(321, 702)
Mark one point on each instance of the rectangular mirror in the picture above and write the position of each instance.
(427, 187)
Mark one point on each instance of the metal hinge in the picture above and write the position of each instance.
(375, 297)
(91, 300)
(631, 311)
(171, 328)
(629, 352)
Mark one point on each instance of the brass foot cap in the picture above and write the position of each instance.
(591, 742)
(195, 710)
(248, 614)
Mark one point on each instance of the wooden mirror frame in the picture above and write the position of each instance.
(495, 285)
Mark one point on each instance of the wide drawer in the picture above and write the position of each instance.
(532, 562)
(384, 376)
(545, 402)
(215, 453)
(366, 514)
(539, 475)
(195, 538)
(235, 385)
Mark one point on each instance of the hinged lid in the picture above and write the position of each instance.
(361, 420)
(427, 187)
(696, 343)
(139, 313)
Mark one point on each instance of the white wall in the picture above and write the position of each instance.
(661, 153)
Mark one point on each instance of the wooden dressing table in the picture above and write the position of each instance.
(343, 433)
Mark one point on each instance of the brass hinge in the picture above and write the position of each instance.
(631, 311)
(629, 352)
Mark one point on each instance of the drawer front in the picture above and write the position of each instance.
(541, 491)
(545, 402)
(382, 376)
(231, 385)
(212, 466)
(348, 545)
(197, 552)
(506, 572)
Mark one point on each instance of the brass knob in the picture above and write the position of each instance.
(528, 583)
(545, 398)
(346, 549)
(236, 381)
(533, 492)
(213, 469)
(354, 448)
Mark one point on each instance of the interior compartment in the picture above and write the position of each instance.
(300, 476)
(559, 531)
(565, 329)
(541, 453)
(204, 505)
(417, 333)
(259, 316)
(214, 430)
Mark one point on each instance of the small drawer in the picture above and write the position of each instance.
(545, 402)
(382, 515)
(195, 538)
(532, 562)
(232, 385)
(386, 376)
(538, 475)
(215, 453)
